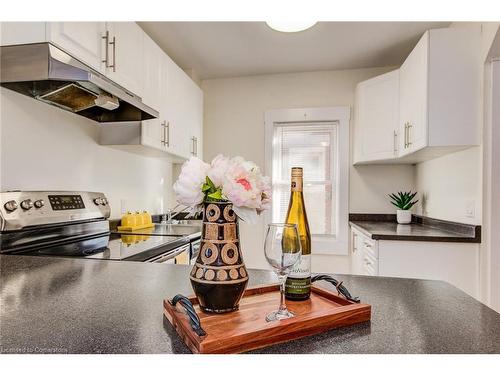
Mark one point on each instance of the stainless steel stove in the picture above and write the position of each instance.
(75, 224)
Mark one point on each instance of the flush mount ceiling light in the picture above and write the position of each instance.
(290, 26)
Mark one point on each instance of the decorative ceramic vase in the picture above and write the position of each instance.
(403, 216)
(219, 276)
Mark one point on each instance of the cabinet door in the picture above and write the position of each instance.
(82, 40)
(125, 51)
(177, 110)
(377, 104)
(153, 132)
(356, 253)
(413, 84)
(194, 118)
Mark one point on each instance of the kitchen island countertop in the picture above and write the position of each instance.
(61, 305)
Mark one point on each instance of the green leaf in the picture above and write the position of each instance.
(210, 184)
(215, 195)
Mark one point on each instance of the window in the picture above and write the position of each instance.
(312, 147)
(316, 139)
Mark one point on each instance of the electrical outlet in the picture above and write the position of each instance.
(470, 209)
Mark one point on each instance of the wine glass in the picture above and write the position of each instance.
(282, 250)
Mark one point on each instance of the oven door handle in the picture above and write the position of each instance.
(167, 256)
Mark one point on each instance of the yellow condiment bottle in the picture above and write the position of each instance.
(139, 220)
(146, 218)
(128, 220)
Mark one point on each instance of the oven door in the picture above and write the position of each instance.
(179, 255)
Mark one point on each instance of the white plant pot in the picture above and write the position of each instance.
(403, 216)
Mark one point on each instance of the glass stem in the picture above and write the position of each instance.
(282, 293)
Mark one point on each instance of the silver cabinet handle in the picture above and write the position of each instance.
(195, 146)
(406, 128)
(164, 140)
(409, 126)
(395, 140)
(406, 135)
(168, 134)
(106, 52)
(193, 151)
(114, 54)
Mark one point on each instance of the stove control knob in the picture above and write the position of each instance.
(27, 204)
(39, 203)
(98, 201)
(104, 201)
(10, 206)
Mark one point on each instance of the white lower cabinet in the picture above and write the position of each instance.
(456, 263)
(356, 254)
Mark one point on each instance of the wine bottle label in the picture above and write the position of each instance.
(302, 268)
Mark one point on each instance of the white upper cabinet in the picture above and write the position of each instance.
(177, 132)
(439, 94)
(153, 132)
(114, 49)
(184, 112)
(377, 118)
(80, 39)
(124, 55)
(440, 89)
(413, 83)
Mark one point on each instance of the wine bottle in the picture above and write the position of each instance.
(298, 283)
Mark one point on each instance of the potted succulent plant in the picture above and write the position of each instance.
(404, 202)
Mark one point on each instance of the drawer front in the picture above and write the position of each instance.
(370, 247)
(370, 265)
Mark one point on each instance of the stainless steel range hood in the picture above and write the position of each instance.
(44, 72)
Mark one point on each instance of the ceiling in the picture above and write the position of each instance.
(228, 49)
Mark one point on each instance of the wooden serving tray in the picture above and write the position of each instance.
(247, 329)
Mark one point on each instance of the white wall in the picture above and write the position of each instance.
(234, 125)
(44, 148)
(448, 185)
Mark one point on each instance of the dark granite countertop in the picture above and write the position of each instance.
(59, 305)
(385, 227)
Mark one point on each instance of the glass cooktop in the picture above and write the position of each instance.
(135, 247)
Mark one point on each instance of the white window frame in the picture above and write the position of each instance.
(340, 115)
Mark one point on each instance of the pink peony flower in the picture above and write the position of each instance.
(218, 168)
(237, 180)
(242, 183)
(189, 184)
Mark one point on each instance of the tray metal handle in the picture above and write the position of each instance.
(194, 319)
(341, 289)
